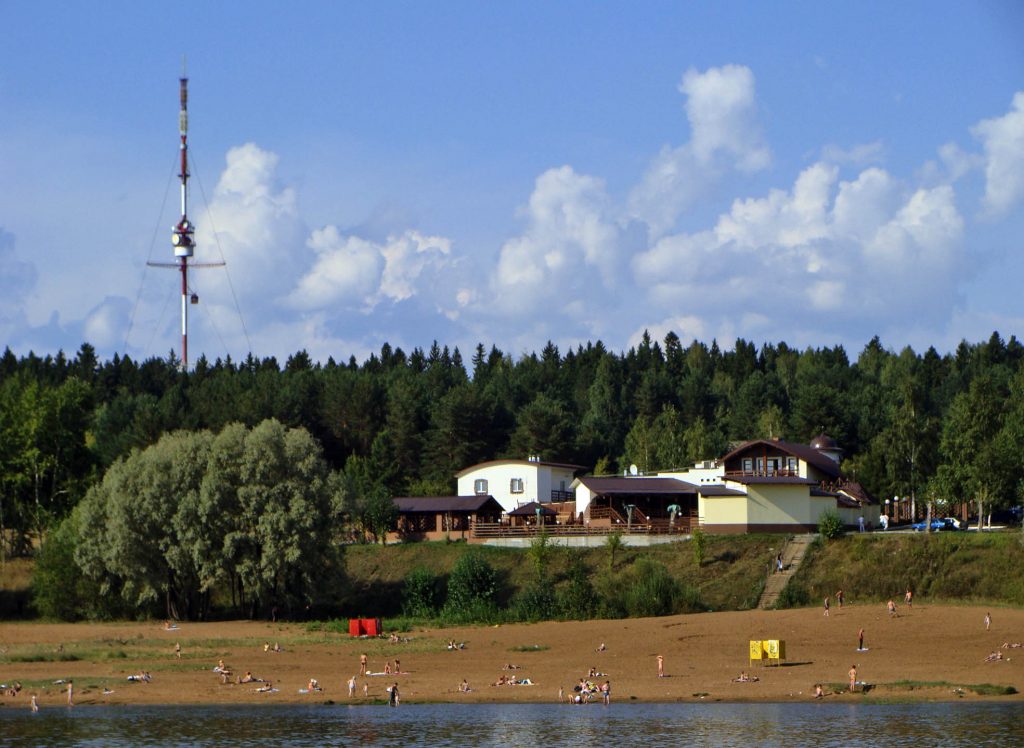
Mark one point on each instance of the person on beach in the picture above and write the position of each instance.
(778, 564)
(860, 640)
(839, 597)
(853, 678)
(362, 664)
(561, 694)
(387, 668)
(601, 648)
(464, 686)
(177, 650)
(995, 656)
(71, 693)
(352, 687)
(398, 667)
(393, 697)
(366, 690)
(908, 599)
(661, 666)
(606, 692)
(313, 685)
(826, 606)
(891, 607)
(988, 621)
(35, 703)
(818, 692)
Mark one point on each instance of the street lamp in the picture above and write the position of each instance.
(896, 507)
(889, 516)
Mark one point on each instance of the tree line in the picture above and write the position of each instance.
(945, 427)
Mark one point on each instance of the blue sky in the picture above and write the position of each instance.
(818, 173)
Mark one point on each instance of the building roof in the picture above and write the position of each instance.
(530, 509)
(758, 480)
(717, 489)
(637, 485)
(433, 504)
(804, 452)
(540, 463)
(825, 442)
(857, 492)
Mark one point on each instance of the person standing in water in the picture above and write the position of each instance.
(393, 698)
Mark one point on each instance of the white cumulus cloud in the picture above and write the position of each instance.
(725, 132)
(1003, 141)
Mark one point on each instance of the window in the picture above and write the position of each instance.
(773, 465)
(516, 485)
(791, 464)
(748, 465)
(480, 486)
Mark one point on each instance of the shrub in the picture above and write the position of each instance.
(472, 587)
(535, 603)
(830, 525)
(420, 593)
(700, 545)
(577, 599)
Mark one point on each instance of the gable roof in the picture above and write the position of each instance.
(530, 508)
(540, 463)
(804, 452)
(433, 504)
(637, 485)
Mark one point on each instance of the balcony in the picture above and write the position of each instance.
(557, 495)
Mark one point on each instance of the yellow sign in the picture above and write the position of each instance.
(771, 648)
(755, 650)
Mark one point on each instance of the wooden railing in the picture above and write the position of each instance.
(659, 526)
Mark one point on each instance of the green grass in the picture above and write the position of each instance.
(529, 648)
(940, 567)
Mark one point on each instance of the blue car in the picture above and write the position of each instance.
(946, 523)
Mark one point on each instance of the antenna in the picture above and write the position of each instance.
(183, 232)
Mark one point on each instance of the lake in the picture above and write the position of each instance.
(790, 725)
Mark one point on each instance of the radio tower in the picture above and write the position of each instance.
(182, 236)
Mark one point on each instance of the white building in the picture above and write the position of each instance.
(516, 482)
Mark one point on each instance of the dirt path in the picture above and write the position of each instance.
(703, 653)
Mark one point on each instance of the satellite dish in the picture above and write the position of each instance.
(633, 470)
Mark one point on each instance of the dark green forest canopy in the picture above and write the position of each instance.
(949, 426)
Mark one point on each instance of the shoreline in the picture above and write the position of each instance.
(927, 654)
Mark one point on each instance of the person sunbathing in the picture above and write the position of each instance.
(1014, 645)
(141, 677)
(268, 686)
(509, 666)
(744, 678)
(313, 685)
(249, 678)
(994, 657)
(464, 686)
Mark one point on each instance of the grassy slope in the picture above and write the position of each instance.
(964, 567)
(730, 578)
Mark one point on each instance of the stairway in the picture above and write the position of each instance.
(792, 555)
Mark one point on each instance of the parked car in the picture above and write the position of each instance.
(946, 523)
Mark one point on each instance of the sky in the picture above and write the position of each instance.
(509, 174)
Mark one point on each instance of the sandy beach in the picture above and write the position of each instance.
(944, 645)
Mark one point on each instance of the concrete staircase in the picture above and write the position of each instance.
(792, 555)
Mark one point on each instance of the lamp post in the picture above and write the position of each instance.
(887, 514)
(896, 507)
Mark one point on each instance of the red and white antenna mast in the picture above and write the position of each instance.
(182, 237)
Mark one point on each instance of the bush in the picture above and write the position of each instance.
(535, 603)
(420, 593)
(577, 599)
(830, 525)
(700, 545)
(472, 588)
(59, 589)
(647, 589)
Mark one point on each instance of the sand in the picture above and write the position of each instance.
(703, 653)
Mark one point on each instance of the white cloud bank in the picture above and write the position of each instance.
(1003, 141)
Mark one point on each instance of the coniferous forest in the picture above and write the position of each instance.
(947, 428)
